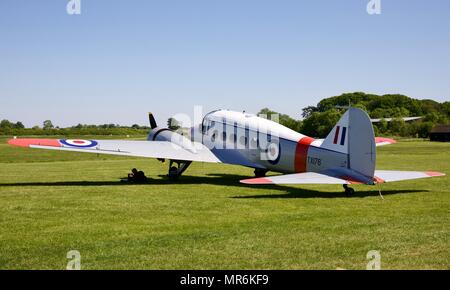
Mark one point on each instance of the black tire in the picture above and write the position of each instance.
(349, 191)
(260, 173)
(173, 173)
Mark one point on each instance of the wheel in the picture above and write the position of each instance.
(349, 191)
(260, 172)
(173, 173)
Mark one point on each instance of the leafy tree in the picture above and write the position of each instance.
(382, 125)
(385, 106)
(5, 124)
(424, 129)
(320, 124)
(19, 125)
(306, 112)
(283, 119)
(446, 108)
(47, 125)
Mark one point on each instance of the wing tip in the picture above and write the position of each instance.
(377, 180)
(27, 142)
(259, 180)
(18, 142)
(434, 173)
(385, 140)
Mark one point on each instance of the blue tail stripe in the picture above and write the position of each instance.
(344, 130)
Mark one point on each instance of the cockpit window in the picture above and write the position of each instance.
(207, 125)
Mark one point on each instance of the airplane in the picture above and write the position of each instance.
(346, 156)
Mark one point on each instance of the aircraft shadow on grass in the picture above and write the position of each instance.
(227, 180)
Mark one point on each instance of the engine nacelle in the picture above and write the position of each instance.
(165, 134)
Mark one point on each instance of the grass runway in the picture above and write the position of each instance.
(52, 202)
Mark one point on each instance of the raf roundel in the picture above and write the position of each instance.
(273, 153)
(79, 143)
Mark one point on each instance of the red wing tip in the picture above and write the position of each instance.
(260, 180)
(377, 179)
(350, 179)
(387, 140)
(28, 142)
(433, 173)
(17, 142)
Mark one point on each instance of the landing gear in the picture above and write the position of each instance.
(176, 171)
(260, 172)
(348, 190)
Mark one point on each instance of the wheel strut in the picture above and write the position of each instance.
(176, 171)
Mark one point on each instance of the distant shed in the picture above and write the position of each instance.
(440, 133)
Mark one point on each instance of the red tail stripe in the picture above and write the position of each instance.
(336, 135)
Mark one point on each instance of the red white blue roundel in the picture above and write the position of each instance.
(273, 153)
(79, 143)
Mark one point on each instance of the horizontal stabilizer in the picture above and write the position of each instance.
(381, 141)
(382, 176)
(406, 119)
(296, 178)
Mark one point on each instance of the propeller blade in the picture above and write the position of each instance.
(153, 124)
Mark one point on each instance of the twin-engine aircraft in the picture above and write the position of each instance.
(346, 156)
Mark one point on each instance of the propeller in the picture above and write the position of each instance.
(152, 121)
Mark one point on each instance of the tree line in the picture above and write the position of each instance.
(315, 121)
(10, 128)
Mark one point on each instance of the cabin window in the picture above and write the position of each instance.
(233, 138)
(204, 126)
(243, 140)
(214, 135)
(211, 124)
(207, 125)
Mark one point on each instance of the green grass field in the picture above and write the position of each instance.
(52, 202)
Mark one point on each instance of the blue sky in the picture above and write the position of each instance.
(120, 59)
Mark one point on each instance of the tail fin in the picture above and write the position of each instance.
(353, 135)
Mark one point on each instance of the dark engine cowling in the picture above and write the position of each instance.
(165, 134)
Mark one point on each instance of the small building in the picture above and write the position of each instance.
(440, 133)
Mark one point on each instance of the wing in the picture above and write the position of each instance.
(382, 176)
(150, 149)
(297, 178)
